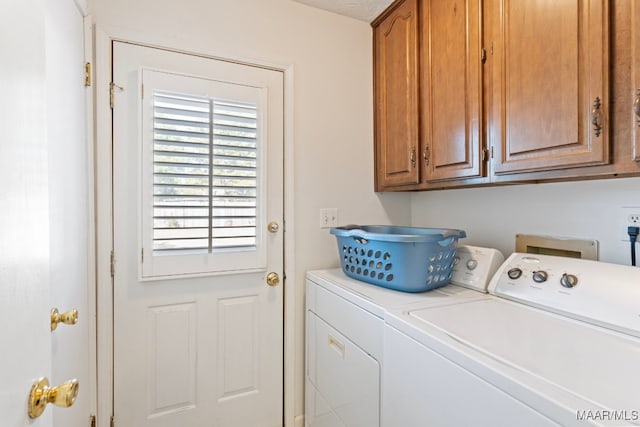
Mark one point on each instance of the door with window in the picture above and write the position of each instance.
(198, 243)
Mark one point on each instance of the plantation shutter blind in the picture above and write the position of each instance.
(204, 183)
(204, 174)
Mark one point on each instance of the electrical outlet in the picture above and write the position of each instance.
(629, 217)
(328, 217)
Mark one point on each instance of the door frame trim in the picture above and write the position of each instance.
(92, 280)
(104, 36)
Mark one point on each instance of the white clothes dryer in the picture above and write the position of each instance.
(344, 336)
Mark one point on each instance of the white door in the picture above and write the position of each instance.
(24, 240)
(69, 205)
(32, 34)
(197, 178)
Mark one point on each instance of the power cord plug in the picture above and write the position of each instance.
(633, 236)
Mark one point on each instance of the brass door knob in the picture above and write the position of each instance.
(273, 279)
(273, 227)
(63, 395)
(68, 318)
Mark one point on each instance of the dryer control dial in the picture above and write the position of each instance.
(568, 280)
(514, 273)
(540, 276)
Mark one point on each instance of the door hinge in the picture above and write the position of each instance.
(483, 55)
(492, 151)
(92, 421)
(113, 264)
(87, 74)
(142, 255)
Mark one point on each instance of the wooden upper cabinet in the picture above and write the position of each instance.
(451, 89)
(635, 59)
(396, 95)
(550, 100)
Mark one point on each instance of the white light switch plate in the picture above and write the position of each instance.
(328, 217)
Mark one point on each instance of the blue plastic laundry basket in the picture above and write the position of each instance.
(408, 259)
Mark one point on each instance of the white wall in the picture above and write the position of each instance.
(493, 216)
(332, 106)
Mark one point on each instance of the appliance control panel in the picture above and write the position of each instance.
(596, 292)
(475, 266)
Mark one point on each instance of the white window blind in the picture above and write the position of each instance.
(204, 174)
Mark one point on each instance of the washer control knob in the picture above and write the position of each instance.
(456, 260)
(472, 264)
(514, 273)
(540, 276)
(568, 280)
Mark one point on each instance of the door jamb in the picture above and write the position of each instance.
(104, 214)
(92, 305)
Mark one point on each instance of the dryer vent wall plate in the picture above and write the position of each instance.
(568, 247)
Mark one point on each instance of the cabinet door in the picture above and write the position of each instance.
(451, 89)
(396, 96)
(550, 76)
(344, 380)
(635, 58)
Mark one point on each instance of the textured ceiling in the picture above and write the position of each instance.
(364, 10)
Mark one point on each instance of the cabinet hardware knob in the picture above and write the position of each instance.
(412, 157)
(596, 116)
(41, 394)
(425, 155)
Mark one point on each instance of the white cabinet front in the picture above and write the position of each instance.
(343, 381)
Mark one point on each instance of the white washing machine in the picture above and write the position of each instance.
(557, 343)
(344, 336)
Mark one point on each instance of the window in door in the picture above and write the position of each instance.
(201, 183)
